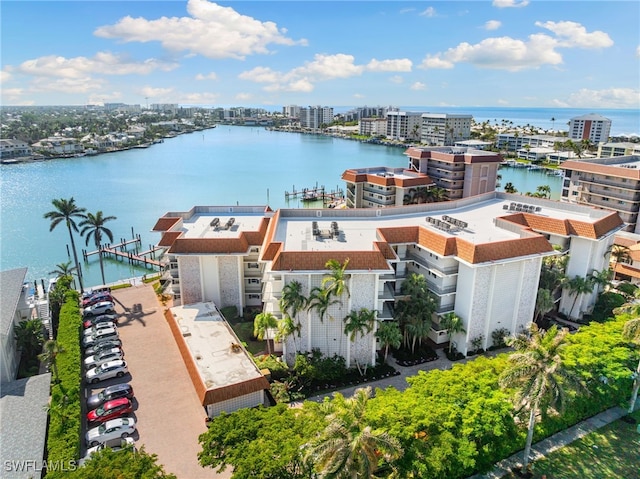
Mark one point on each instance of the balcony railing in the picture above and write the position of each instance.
(422, 261)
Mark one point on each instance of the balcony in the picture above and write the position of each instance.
(437, 269)
(441, 290)
(386, 313)
(632, 185)
(387, 293)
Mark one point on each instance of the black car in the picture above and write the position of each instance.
(102, 345)
(116, 391)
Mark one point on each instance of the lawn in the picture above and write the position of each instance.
(244, 331)
(612, 452)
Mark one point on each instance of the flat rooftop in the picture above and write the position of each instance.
(209, 338)
(228, 225)
(357, 228)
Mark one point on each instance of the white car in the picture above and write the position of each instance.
(99, 335)
(115, 444)
(104, 307)
(111, 369)
(98, 327)
(122, 427)
(102, 357)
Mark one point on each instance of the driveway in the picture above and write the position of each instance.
(170, 418)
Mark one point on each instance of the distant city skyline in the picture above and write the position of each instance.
(508, 53)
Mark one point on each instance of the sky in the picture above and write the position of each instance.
(500, 53)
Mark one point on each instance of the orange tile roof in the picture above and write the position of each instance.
(566, 227)
(627, 269)
(608, 170)
(210, 245)
(416, 179)
(165, 223)
(499, 250)
(168, 238)
(316, 260)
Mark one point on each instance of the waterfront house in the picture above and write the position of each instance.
(481, 257)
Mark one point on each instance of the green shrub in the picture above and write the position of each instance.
(278, 369)
(605, 305)
(63, 442)
(120, 286)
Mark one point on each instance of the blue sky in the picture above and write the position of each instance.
(511, 53)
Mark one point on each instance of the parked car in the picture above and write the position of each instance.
(122, 427)
(93, 320)
(97, 327)
(101, 345)
(110, 410)
(103, 307)
(108, 333)
(111, 392)
(111, 369)
(97, 290)
(96, 298)
(115, 444)
(102, 357)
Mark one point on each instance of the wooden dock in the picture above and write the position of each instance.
(317, 193)
(120, 251)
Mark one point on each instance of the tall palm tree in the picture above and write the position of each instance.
(601, 278)
(320, 300)
(544, 303)
(29, 337)
(359, 322)
(389, 334)
(537, 372)
(577, 286)
(262, 323)
(438, 194)
(544, 190)
(336, 283)
(288, 328)
(291, 303)
(617, 254)
(631, 332)
(348, 448)
(454, 325)
(49, 355)
(509, 188)
(67, 211)
(93, 227)
(63, 269)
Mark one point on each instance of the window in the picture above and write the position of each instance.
(574, 193)
(254, 249)
(254, 296)
(254, 281)
(253, 266)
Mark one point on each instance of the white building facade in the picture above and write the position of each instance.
(404, 125)
(592, 127)
(445, 129)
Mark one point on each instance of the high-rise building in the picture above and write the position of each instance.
(291, 111)
(444, 129)
(313, 117)
(404, 125)
(592, 127)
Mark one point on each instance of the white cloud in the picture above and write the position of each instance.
(4, 76)
(396, 79)
(96, 98)
(638, 51)
(510, 3)
(417, 86)
(503, 102)
(608, 98)
(501, 53)
(243, 97)
(572, 34)
(429, 12)
(105, 63)
(84, 84)
(208, 76)
(155, 93)
(407, 10)
(358, 95)
(397, 65)
(196, 98)
(492, 25)
(211, 30)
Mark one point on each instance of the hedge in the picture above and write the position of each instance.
(63, 442)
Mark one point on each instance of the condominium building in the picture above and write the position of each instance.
(461, 172)
(592, 127)
(404, 125)
(291, 111)
(481, 258)
(515, 141)
(610, 183)
(12, 148)
(372, 126)
(368, 112)
(382, 187)
(626, 148)
(444, 129)
(313, 117)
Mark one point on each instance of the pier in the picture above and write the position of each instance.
(317, 193)
(119, 251)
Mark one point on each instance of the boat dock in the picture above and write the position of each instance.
(318, 193)
(135, 257)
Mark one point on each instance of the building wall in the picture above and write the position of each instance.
(230, 282)
(190, 279)
(364, 294)
(479, 178)
(210, 279)
(253, 399)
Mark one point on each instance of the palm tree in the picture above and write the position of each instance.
(544, 190)
(359, 322)
(291, 303)
(320, 300)
(601, 278)
(287, 327)
(262, 323)
(67, 211)
(29, 337)
(618, 254)
(509, 188)
(454, 325)
(631, 332)
(544, 303)
(348, 448)
(336, 283)
(93, 226)
(578, 286)
(63, 269)
(415, 311)
(389, 334)
(553, 123)
(438, 194)
(49, 356)
(537, 371)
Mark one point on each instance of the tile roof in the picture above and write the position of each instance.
(11, 282)
(627, 269)
(316, 260)
(165, 223)
(405, 180)
(598, 168)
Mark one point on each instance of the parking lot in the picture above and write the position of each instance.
(167, 411)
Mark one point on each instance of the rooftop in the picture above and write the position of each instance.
(11, 282)
(222, 369)
(627, 166)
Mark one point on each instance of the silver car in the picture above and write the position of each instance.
(122, 427)
(102, 357)
(111, 369)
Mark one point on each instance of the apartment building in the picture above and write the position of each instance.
(516, 141)
(609, 183)
(12, 148)
(382, 187)
(592, 127)
(291, 111)
(404, 125)
(368, 112)
(313, 117)
(461, 172)
(444, 129)
(13, 309)
(625, 148)
(372, 126)
(481, 258)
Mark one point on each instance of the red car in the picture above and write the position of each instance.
(96, 298)
(110, 410)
